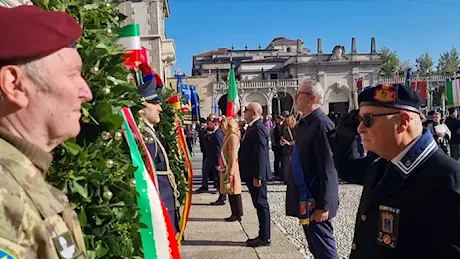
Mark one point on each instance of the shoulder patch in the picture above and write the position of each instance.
(6, 254)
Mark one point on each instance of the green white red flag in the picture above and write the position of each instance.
(130, 38)
(233, 101)
(453, 92)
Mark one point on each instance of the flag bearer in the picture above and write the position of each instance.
(151, 117)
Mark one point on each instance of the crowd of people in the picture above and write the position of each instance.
(404, 160)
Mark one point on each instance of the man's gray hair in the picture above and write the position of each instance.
(315, 88)
(37, 72)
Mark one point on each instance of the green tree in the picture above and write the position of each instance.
(390, 62)
(424, 63)
(95, 169)
(449, 61)
(404, 65)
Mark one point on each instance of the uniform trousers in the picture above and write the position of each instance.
(320, 238)
(167, 196)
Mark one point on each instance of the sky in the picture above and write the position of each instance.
(408, 27)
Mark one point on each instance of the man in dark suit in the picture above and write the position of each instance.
(276, 146)
(410, 204)
(211, 163)
(255, 169)
(314, 172)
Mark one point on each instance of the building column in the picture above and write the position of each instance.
(269, 109)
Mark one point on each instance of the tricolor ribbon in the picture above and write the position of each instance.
(188, 164)
(158, 239)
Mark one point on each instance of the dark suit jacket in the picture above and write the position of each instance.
(253, 156)
(213, 147)
(314, 136)
(277, 133)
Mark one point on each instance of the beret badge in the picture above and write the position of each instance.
(385, 93)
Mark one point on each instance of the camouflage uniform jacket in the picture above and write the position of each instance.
(36, 220)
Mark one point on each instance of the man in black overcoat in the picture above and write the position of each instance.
(410, 205)
(255, 169)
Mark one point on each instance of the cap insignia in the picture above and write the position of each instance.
(385, 93)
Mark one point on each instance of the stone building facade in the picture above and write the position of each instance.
(272, 75)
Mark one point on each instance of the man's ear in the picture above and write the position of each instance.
(404, 120)
(12, 86)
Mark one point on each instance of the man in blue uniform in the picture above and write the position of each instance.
(151, 117)
(410, 205)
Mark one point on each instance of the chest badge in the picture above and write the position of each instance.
(65, 246)
(388, 226)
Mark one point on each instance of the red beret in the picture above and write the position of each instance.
(31, 32)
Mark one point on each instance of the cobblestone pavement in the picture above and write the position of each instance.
(343, 223)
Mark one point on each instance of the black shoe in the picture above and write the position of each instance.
(252, 239)
(233, 219)
(202, 189)
(258, 243)
(218, 203)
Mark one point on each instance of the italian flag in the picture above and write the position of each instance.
(453, 92)
(233, 102)
(130, 38)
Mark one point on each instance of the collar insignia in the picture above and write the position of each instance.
(385, 94)
(417, 155)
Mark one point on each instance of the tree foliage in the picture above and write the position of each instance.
(404, 66)
(95, 169)
(449, 61)
(390, 62)
(424, 63)
(167, 134)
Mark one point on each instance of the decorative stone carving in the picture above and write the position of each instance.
(338, 53)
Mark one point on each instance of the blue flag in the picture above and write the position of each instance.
(306, 201)
(408, 77)
(195, 104)
(215, 107)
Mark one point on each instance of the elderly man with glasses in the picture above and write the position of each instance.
(410, 205)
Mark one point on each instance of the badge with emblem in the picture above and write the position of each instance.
(385, 94)
(7, 254)
(388, 226)
(65, 246)
(408, 163)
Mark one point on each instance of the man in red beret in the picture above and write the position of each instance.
(41, 92)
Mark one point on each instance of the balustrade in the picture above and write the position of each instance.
(293, 83)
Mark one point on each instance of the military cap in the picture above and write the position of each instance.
(391, 95)
(149, 92)
(31, 32)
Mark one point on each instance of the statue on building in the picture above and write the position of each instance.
(338, 53)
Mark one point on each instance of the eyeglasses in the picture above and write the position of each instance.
(248, 109)
(302, 92)
(367, 119)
